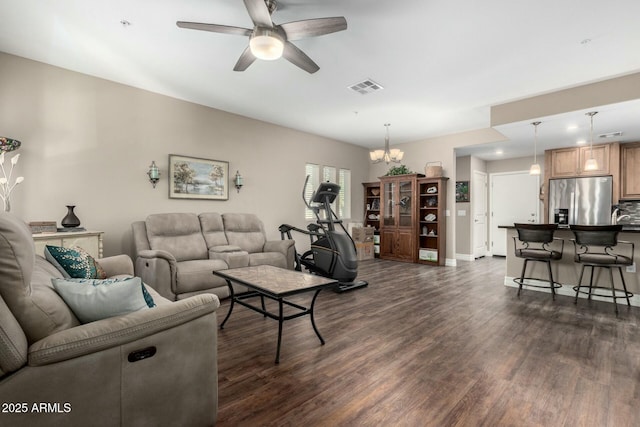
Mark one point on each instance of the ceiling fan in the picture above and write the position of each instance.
(269, 41)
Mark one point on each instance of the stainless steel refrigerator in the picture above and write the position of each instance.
(583, 201)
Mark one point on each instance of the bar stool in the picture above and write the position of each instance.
(535, 241)
(594, 247)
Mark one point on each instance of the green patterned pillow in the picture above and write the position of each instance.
(74, 262)
(93, 299)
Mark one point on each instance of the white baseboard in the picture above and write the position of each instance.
(567, 290)
(465, 257)
(448, 262)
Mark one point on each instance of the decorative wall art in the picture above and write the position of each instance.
(194, 178)
(462, 191)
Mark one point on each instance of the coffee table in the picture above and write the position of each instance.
(275, 283)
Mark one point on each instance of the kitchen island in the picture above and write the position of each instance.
(567, 272)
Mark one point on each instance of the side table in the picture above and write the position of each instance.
(90, 241)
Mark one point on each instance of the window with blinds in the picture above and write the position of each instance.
(344, 199)
(313, 172)
(342, 204)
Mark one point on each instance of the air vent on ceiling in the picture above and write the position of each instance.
(366, 86)
(610, 134)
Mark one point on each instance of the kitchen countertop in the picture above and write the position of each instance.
(626, 228)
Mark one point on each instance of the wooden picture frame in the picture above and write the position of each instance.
(195, 178)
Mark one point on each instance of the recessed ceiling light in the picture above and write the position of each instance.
(581, 141)
(499, 152)
(571, 128)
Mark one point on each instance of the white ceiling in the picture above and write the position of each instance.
(442, 63)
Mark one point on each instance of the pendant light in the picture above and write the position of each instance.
(387, 155)
(535, 167)
(591, 164)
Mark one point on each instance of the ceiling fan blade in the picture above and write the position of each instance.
(245, 60)
(299, 58)
(314, 27)
(214, 28)
(259, 13)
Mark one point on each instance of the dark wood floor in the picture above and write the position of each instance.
(429, 346)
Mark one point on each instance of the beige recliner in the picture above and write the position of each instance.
(152, 367)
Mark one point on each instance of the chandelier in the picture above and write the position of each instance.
(386, 155)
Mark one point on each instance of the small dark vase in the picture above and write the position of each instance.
(70, 220)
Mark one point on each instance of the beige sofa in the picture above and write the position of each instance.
(92, 374)
(177, 252)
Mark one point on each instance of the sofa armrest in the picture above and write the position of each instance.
(285, 247)
(115, 265)
(158, 269)
(154, 253)
(107, 333)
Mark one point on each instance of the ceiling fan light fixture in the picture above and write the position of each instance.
(266, 44)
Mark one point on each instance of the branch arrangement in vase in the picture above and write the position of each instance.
(5, 181)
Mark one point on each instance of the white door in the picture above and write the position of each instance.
(514, 198)
(479, 201)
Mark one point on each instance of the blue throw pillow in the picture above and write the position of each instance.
(93, 299)
(74, 262)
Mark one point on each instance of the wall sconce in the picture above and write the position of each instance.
(154, 173)
(238, 181)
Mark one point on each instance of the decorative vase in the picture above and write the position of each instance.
(70, 220)
(7, 205)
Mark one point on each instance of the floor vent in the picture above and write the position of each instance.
(366, 86)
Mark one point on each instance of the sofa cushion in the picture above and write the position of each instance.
(94, 299)
(177, 233)
(245, 231)
(213, 229)
(26, 286)
(74, 262)
(198, 275)
(276, 259)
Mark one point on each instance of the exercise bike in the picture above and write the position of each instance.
(333, 252)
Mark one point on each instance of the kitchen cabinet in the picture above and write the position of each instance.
(432, 194)
(569, 162)
(398, 217)
(630, 171)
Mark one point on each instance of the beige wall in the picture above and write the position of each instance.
(89, 142)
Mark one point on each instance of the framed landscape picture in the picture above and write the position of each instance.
(194, 178)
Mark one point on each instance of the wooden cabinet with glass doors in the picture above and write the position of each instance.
(398, 226)
(432, 196)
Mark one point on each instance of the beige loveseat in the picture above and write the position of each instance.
(177, 252)
(151, 367)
